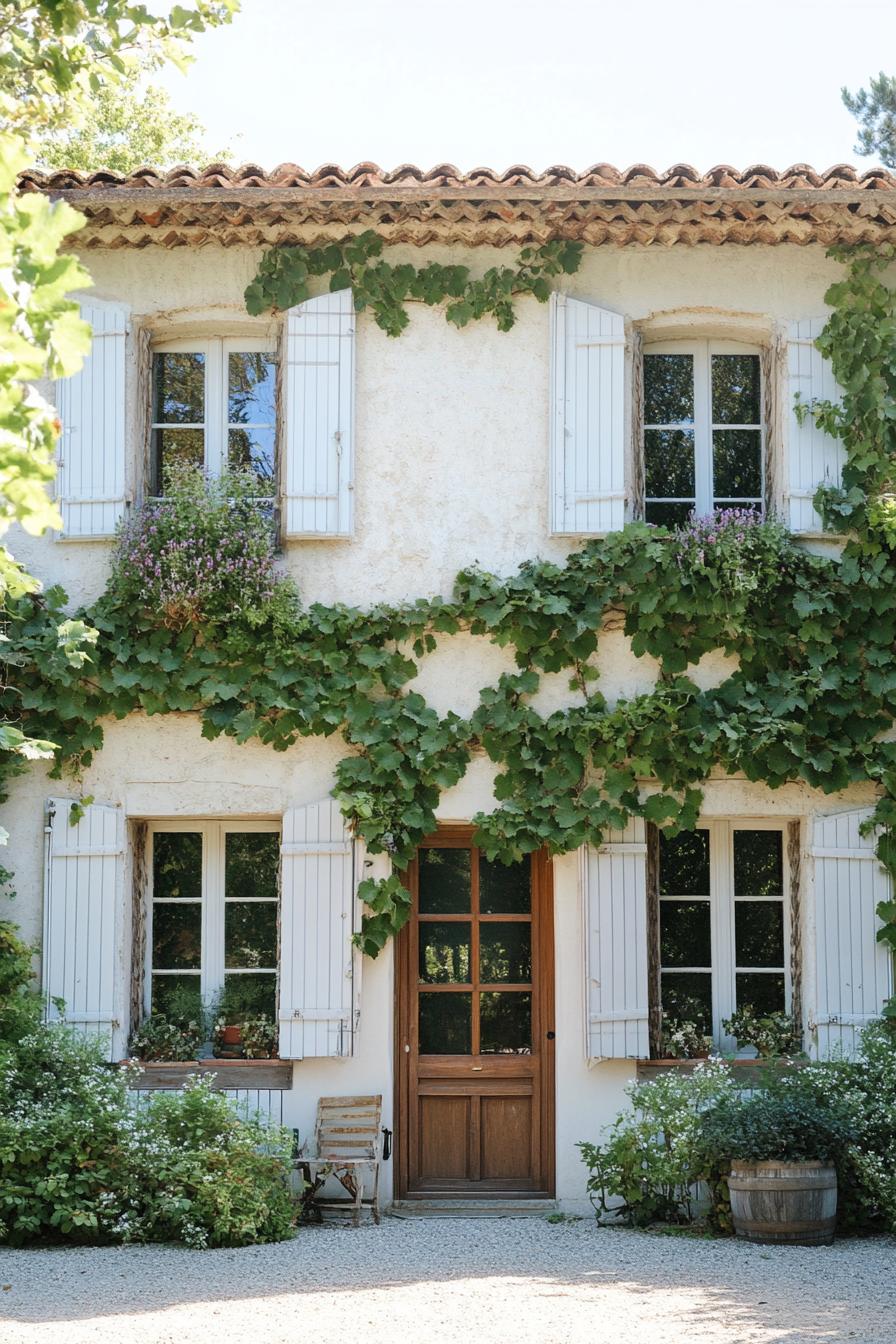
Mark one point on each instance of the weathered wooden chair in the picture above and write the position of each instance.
(346, 1146)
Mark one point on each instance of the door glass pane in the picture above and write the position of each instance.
(667, 515)
(669, 463)
(668, 389)
(445, 884)
(505, 1024)
(737, 463)
(758, 863)
(759, 933)
(505, 889)
(763, 993)
(685, 933)
(444, 954)
(177, 865)
(445, 1023)
(176, 936)
(735, 390)
(505, 953)
(250, 934)
(178, 388)
(687, 997)
(170, 993)
(684, 863)
(249, 995)
(251, 862)
(253, 450)
(251, 384)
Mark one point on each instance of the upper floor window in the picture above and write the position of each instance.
(702, 430)
(214, 407)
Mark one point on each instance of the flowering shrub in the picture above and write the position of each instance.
(20, 1004)
(79, 1161)
(734, 547)
(203, 554)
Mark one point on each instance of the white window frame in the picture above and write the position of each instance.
(213, 899)
(703, 425)
(216, 424)
(722, 902)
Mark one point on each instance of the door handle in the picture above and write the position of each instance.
(476, 1068)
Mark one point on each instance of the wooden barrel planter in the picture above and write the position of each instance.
(784, 1202)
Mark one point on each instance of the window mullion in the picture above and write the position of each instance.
(215, 408)
(213, 908)
(703, 429)
(721, 878)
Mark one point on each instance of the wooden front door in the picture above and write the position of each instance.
(475, 1027)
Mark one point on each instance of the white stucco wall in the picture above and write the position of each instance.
(451, 467)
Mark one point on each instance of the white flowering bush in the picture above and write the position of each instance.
(80, 1162)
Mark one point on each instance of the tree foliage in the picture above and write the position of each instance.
(875, 110)
(128, 125)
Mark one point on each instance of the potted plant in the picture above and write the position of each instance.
(771, 1036)
(683, 1040)
(174, 1032)
(259, 1037)
(782, 1182)
(239, 1003)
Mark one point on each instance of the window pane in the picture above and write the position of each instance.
(505, 953)
(251, 863)
(759, 933)
(669, 462)
(251, 384)
(173, 448)
(170, 991)
(505, 889)
(684, 934)
(763, 993)
(445, 1024)
(178, 389)
(505, 1024)
(687, 997)
(445, 881)
(253, 450)
(667, 515)
(684, 863)
(177, 936)
(249, 995)
(735, 390)
(444, 954)
(758, 863)
(250, 934)
(736, 462)
(668, 389)
(177, 865)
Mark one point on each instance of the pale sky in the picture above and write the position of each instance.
(497, 82)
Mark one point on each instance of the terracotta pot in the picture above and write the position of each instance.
(229, 1043)
(784, 1202)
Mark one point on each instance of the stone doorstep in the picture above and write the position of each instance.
(471, 1208)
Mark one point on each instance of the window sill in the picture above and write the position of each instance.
(255, 1074)
(745, 1068)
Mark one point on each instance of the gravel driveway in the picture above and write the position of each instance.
(496, 1281)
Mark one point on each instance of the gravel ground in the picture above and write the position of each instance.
(501, 1281)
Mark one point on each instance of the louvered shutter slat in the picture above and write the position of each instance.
(319, 413)
(319, 974)
(614, 883)
(813, 457)
(82, 901)
(91, 489)
(588, 418)
(853, 971)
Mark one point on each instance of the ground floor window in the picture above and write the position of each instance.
(212, 916)
(724, 924)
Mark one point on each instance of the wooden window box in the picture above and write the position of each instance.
(227, 1074)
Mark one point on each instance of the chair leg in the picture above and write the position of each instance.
(359, 1193)
(375, 1208)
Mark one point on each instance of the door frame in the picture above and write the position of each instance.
(459, 836)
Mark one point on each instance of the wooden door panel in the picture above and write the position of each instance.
(474, 1124)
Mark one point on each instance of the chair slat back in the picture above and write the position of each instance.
(348, 1127)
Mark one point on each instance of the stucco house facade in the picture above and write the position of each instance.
(658, 380)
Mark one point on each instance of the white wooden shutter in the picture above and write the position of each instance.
(319, 972)
(588, 418)
(91, 489)
(813, 457)
(319, 417)
(82, 900)
(614, 882)
(853, 971)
